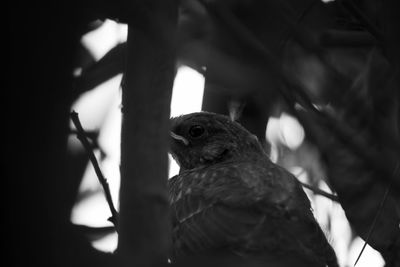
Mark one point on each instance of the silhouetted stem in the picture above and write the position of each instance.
(321, 192)
(81, 135)
(377, 215)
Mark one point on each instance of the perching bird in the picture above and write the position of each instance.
(229, 197)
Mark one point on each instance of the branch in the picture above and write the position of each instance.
(110, 65)
(320, 192)
(94, 233)
(293, 93)
(144, 225)
(361, 17)
(338, 38)
(376, 217)
(81, 135)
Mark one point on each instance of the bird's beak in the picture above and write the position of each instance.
(179, 138)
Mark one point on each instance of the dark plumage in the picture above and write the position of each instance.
(230, 197)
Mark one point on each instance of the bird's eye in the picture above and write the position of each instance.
(196, 131)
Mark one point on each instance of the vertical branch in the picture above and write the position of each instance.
(144, 237)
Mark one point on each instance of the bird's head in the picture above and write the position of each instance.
(203, 138)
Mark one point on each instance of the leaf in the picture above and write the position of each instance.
(368, 110)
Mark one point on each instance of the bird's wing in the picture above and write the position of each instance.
(242, 207)
(223, 205)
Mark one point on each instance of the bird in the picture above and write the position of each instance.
(229, 197)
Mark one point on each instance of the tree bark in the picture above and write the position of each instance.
(144, 232)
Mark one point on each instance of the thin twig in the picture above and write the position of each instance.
(321, 192)
(316, 190)
(81, 135)
(377, 215)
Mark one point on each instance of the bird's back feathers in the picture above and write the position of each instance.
(248, 208)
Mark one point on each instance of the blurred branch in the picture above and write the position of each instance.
(294, 93)
(385, 163)
(361, 17)
(94, 233)
(107, 67)
(337, 38)
(103, 181)
(392, 37)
